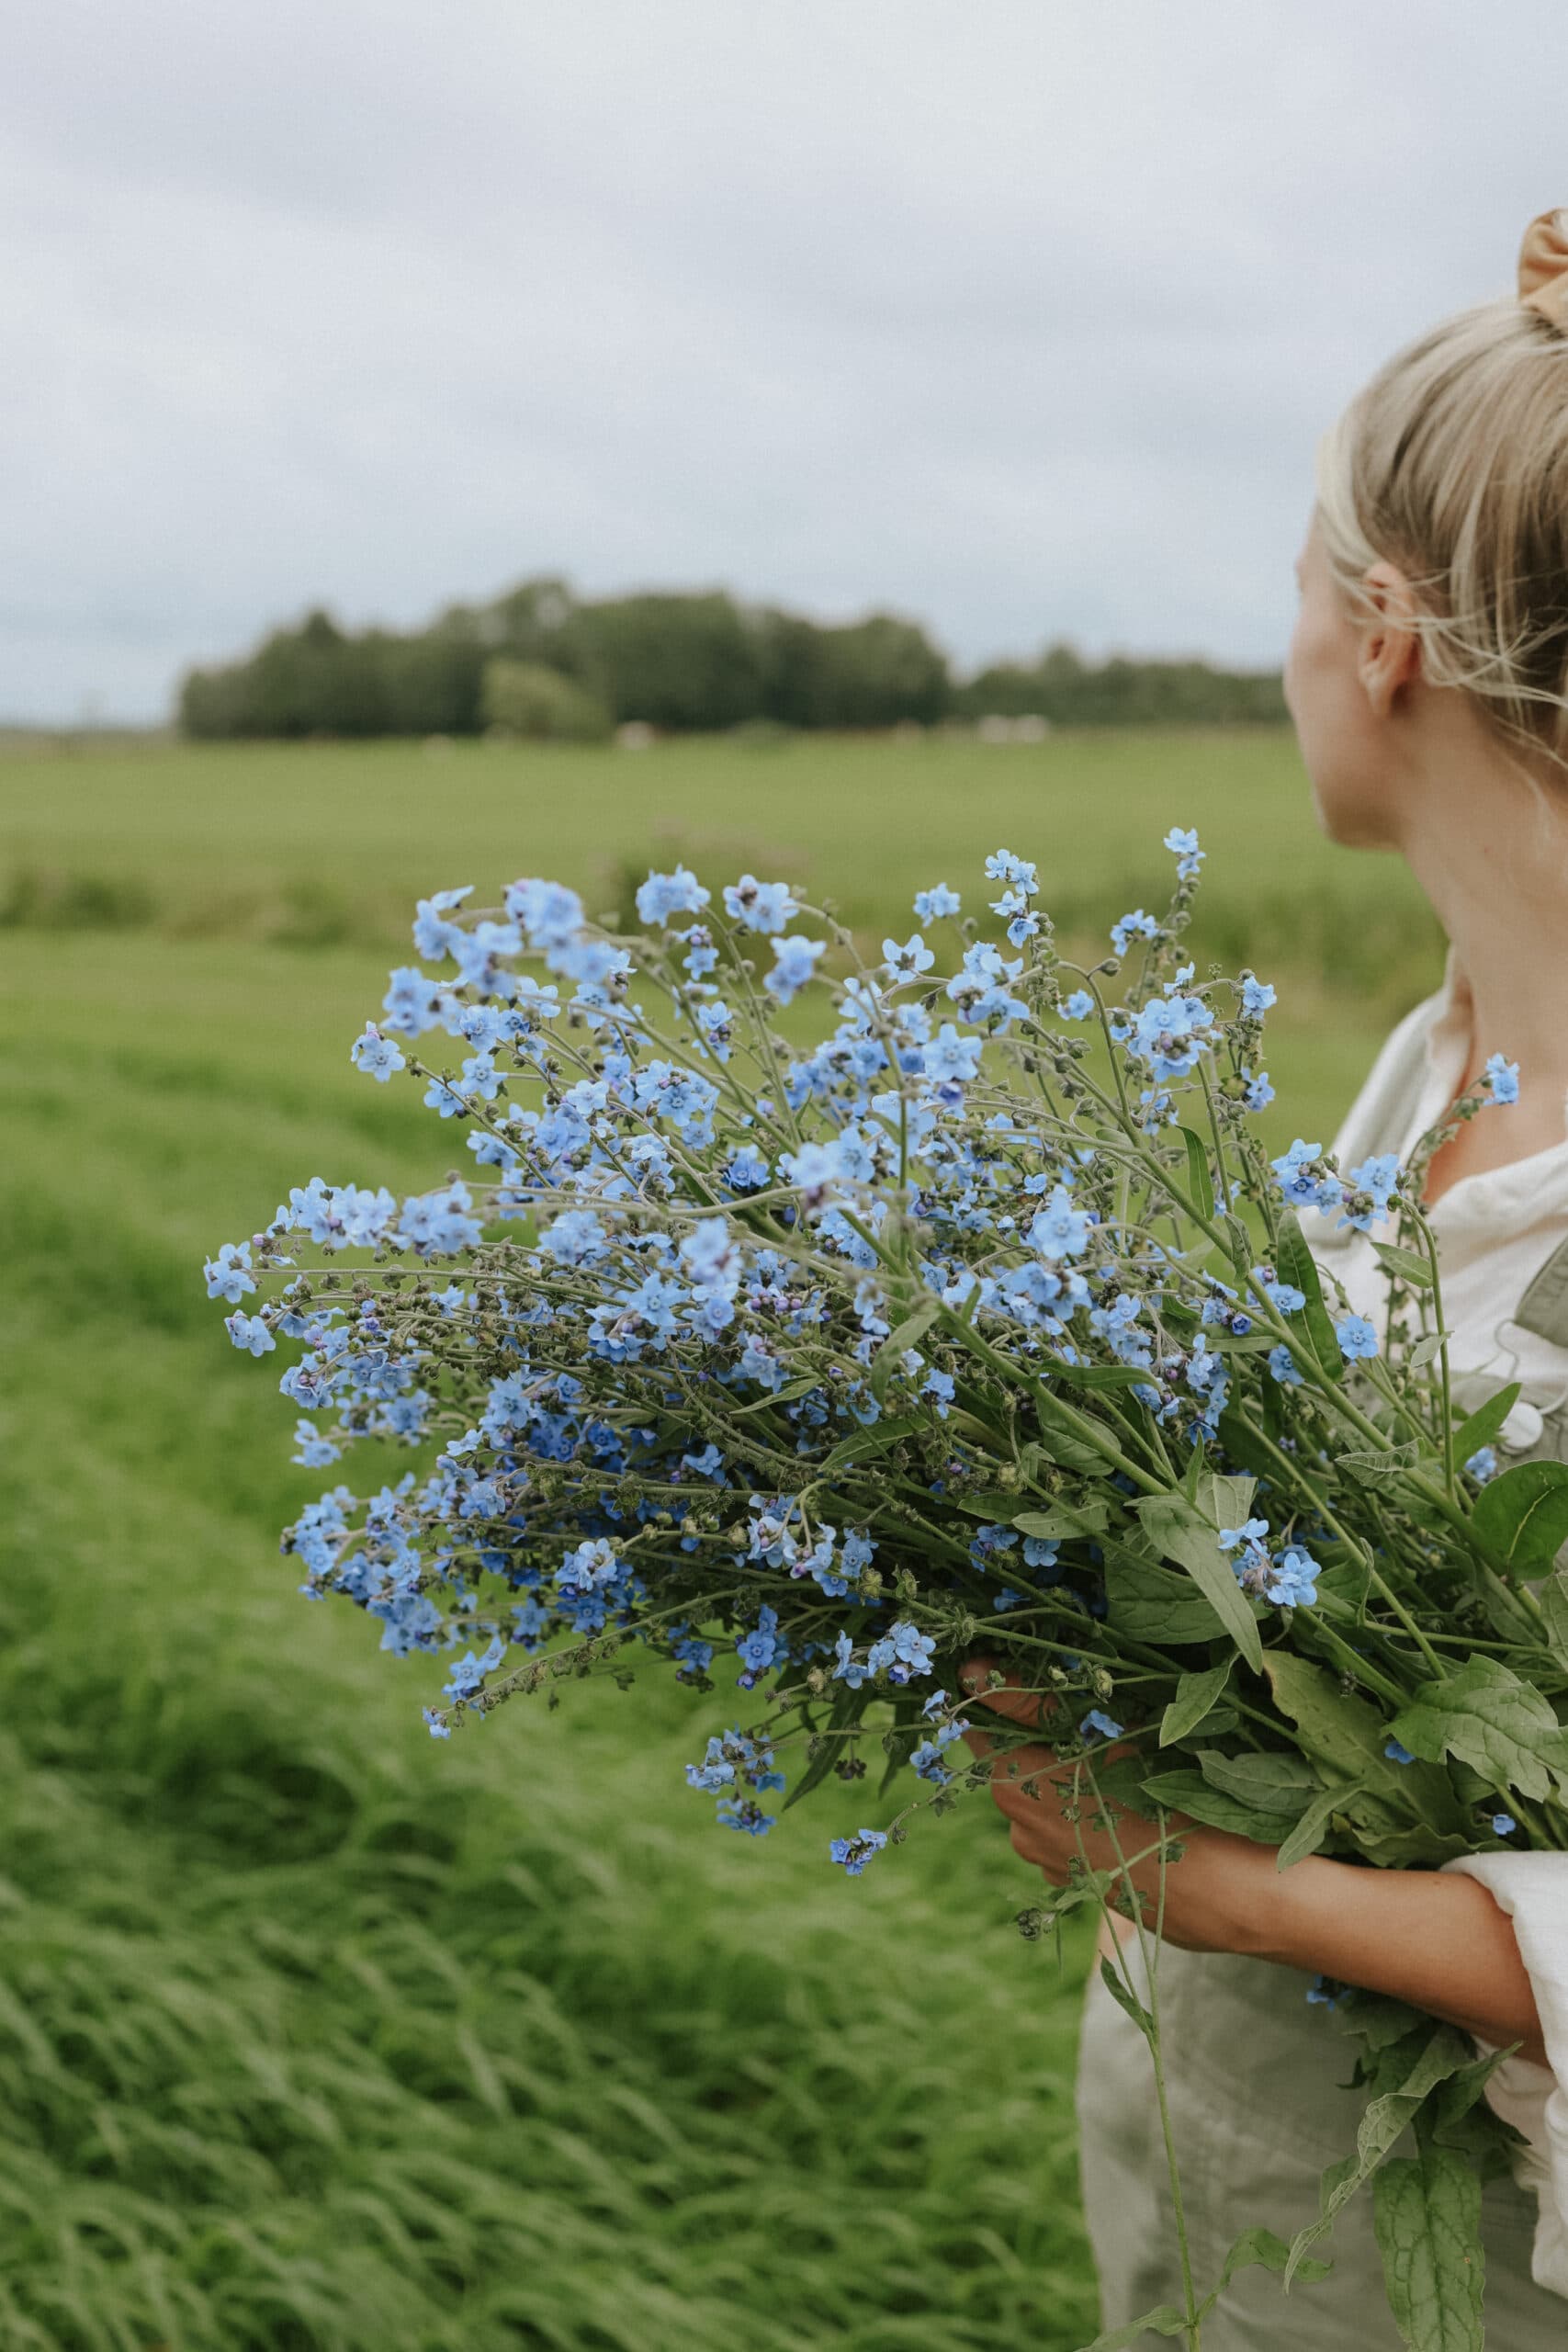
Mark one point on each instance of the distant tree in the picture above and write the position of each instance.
(857, 673)
(1065, 688)
(541, 704)
(677, 661)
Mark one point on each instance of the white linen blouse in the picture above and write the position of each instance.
(1495, 1231)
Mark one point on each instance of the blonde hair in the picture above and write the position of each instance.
(1452, 463)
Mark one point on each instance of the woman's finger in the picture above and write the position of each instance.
(1029, 1708)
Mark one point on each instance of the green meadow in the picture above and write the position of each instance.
(315, 2035)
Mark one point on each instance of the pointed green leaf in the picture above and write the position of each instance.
(1444, 2052)
(1260, 2248)
(1147, 1603)
(1427, 2217)
(1523, 1515)
(1279, 1784)
(1063, 1520)
(1379, 1466)
(1185, 1536)
(1200, 1180)
(1552, 1595)
(1408, 1264)
(1427, 1349)
(1313, 1827)
(1163, 2320)
(1485, 1422)
(1294, 1263)
(1195, 1697)
(885, 1363)
(1124, 1998)
(1503, 1727)
(1189, 1793)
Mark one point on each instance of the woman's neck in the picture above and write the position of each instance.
(1492, 859)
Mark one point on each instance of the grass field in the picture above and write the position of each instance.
(315, 2036)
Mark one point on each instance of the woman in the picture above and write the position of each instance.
(1428, 680)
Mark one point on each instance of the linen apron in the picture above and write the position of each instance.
(1257, 2082)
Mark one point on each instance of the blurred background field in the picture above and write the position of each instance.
(315, 2036)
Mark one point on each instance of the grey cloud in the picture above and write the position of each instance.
(1024, 317)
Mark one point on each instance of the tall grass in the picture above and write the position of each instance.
(315, 2036)
(318, 2037)
(328, 845)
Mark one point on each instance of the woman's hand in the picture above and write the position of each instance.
(1215, 1895)
(1438, 1941)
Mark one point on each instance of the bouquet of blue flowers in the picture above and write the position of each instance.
(848, 1315)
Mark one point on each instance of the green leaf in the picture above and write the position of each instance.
(1552, 1595)
(1061, 1443)
(1064, 1519)
(1260, 2248)
(1406, 1813)
(1243, 1444)
(1191, 1792)
(873, 1441)
(1427, 2217)
(1313, 1827)
(1163, 2320)
(1408, 1264)
(1148, 1604)
(1427, 1349)
(779, 1397)
(845, 1710)
(1382, 1466)
(1294, 1263)
(1185, 1536)
(885, 1363)
(1224, 1501)
(1523, 1515)
(1485, 1422)
(1199, 1179)
(1124, 1999)
(1194, 1701)
(1486, 1716)
(1444, 2052)
(1275, 1784)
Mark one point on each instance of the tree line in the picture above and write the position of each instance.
(543, 663)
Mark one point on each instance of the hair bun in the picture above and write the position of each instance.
(1543, 268)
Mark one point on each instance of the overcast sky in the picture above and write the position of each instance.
(1020, 316)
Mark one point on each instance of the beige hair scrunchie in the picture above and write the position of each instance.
(1543, 268)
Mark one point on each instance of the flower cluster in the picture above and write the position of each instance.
(963, 1306)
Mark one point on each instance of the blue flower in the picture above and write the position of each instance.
(1504, 1078)
(1137, 925)
(1294, 1581)
(744, 1813)
(1257, 1093)
(908, 962)
(663, 895)
(1397, 1752)
(1079, 1006)
(1282, 1367)
(795, 959)
(229, 1275)
(853, 1853)
(951, 1057)
(250, 1334)
(931, 905)
(376, 1056)
(1101, 1725)
(1257, 995)
(1305, 1180)
(1059, 1231)
(1503, 1825)
(760, 905)
(1483, 1464)
(1184, 845)
(1358, 1339)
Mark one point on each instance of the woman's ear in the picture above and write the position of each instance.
(1390, 654)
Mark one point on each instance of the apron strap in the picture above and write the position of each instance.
(1544, 1309)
